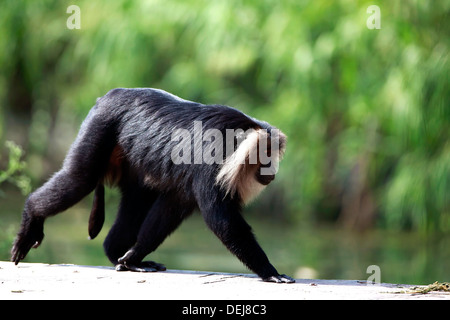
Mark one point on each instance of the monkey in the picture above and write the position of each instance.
(127, 141)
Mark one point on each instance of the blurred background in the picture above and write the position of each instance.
(366, 176)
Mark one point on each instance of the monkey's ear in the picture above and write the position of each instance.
(97, 217)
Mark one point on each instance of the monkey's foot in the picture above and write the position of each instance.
(282, 278)
(144, 266)
(30, 236)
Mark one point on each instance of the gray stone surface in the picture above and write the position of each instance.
(43, 281)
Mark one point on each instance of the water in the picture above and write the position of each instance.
(300, 251)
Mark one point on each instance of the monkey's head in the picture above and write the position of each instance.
(254, 163)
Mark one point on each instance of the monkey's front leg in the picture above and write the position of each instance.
(227, 223)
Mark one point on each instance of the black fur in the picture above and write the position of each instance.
(126, 140)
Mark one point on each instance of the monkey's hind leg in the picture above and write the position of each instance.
(134, 206)
(83, 168)
(143, 266)
(163, 218)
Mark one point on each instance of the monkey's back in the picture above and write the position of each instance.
(146, 121)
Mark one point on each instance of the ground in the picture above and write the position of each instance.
(44, 281)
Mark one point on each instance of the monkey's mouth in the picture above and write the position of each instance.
(265, 179)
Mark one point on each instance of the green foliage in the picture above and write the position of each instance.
(366, 111)
(14, 172)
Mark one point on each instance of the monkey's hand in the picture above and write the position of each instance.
(30, 236)
(282, 278)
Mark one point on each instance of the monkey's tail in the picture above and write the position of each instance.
(97, 216)
(111, 178)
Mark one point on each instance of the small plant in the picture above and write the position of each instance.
(14, 173)
(436, 286)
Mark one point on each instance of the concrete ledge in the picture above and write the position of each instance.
(44, 281)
